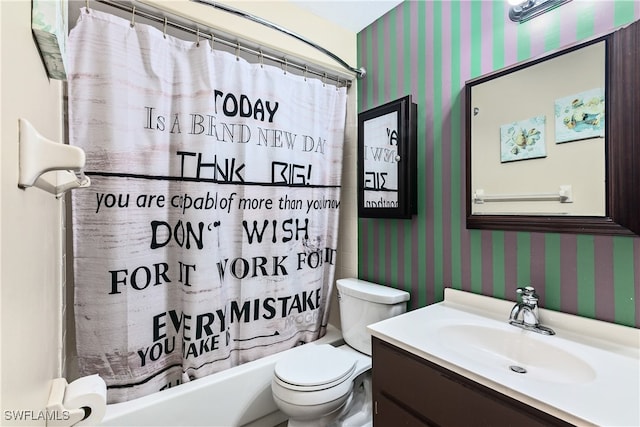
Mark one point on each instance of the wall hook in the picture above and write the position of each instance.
(38, 155)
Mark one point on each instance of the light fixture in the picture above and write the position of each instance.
(523, 10)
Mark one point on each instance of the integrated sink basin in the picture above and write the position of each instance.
(566, 375)
(522, 352)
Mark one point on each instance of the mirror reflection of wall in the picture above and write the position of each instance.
(539, 132)
(380, 164)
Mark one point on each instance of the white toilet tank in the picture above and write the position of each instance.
(363, 303)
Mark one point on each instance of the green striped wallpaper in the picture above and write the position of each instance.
(429, 49)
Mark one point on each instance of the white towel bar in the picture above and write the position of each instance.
(564, 195)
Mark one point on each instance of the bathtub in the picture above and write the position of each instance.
(240, 396)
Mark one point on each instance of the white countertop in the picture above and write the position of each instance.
(586, 374)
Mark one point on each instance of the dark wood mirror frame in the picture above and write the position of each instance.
(406, 165)
(622, 151)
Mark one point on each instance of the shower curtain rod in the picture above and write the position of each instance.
(170, 20)
(359, 72)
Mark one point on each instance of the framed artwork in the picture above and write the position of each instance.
(522, 140)
(580, 116)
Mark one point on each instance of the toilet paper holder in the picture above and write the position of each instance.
(58, 414)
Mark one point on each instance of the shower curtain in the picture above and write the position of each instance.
(208, 236)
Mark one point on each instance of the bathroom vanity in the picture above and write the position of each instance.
(459, 362)
(409, 390)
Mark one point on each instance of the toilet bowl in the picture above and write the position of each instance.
(317, 381)
(322, 385)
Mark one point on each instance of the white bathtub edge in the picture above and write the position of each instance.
(235, 397)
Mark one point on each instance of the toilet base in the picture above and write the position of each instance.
(360, 414)
(357, 411)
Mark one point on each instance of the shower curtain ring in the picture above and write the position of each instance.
(164, 28)
(324, 79)
(285, 65)
(237, 51)
(87, 5)
(261, 56)
(133, 17)
(197, 37)
(306, 68)
(213, 39)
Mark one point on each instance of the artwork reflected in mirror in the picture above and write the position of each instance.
(580, 116)
(523, 140)
(387, 160)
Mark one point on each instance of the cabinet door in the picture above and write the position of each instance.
(388, 413)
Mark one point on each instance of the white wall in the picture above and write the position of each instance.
(31, 284)
(31, 221)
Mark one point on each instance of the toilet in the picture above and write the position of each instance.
(322, 385)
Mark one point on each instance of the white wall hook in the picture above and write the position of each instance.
(39, 155)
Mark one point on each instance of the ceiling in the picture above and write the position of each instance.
(354, 15)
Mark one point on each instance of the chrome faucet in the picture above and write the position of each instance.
(525, 314)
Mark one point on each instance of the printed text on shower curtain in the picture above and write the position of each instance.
(208, 236)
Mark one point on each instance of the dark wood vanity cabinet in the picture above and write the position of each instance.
(411, 391)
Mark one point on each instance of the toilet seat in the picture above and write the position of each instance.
(317, 367)
(314, 376)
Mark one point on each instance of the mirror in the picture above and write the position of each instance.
(387, 167)
(552, 143)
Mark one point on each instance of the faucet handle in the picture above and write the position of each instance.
(526, 290)
(528, 294)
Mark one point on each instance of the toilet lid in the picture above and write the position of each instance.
(317, 365)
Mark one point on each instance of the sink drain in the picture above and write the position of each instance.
(518, 369)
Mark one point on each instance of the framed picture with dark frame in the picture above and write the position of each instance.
(606, 104)
(387, 164)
